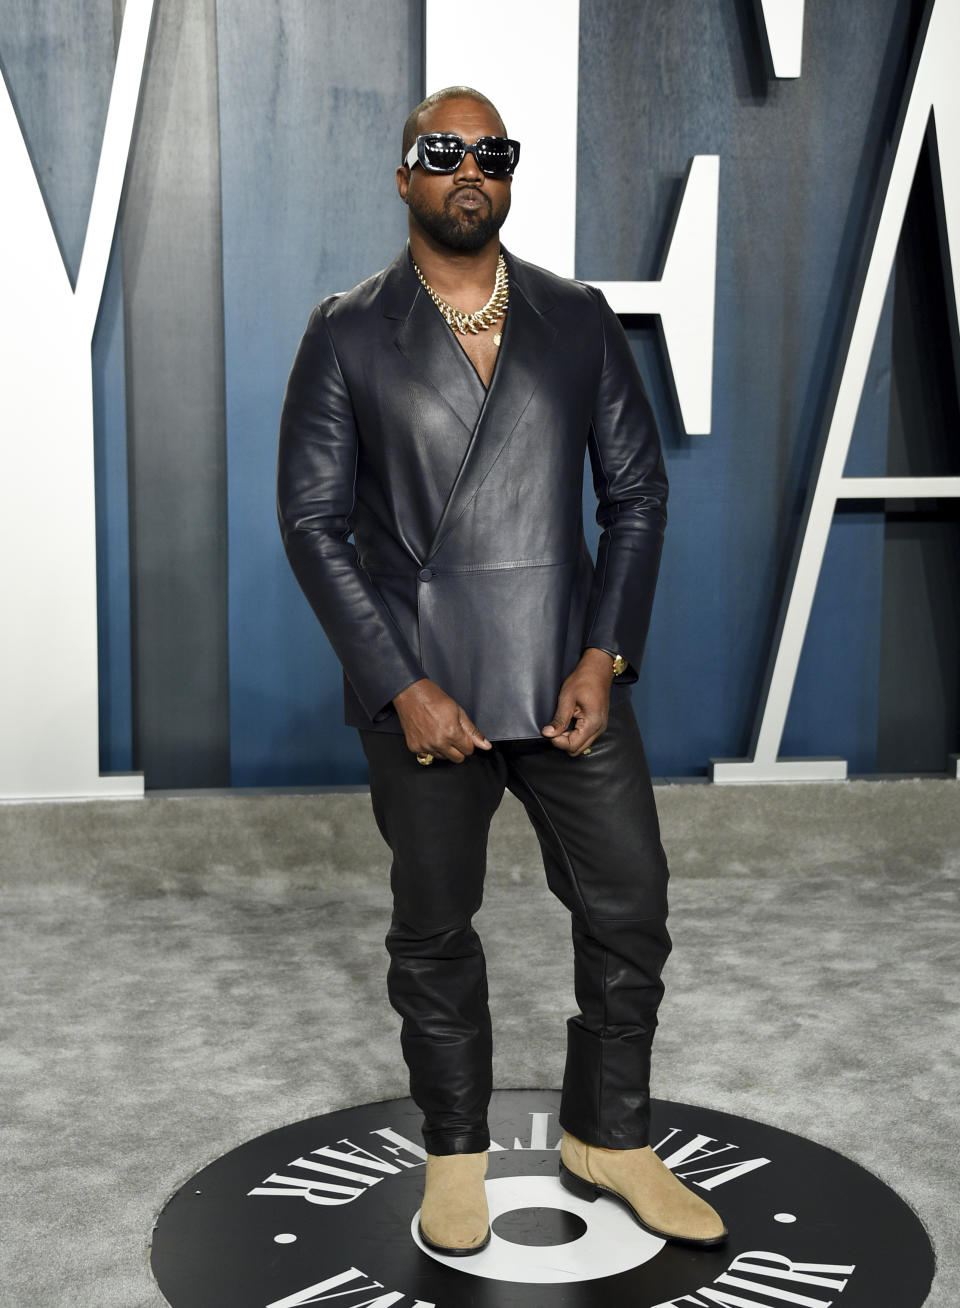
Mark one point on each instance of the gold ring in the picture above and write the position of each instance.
(425, 759)
(585, 752)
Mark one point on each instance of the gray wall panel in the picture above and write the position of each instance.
(113, 526)
(175, 407)
(57, 61)
(919, 722)
(313, 97)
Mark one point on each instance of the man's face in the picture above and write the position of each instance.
(462, 210)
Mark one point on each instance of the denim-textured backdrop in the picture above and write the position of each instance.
(261, 180)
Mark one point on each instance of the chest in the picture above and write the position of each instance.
(482, 349)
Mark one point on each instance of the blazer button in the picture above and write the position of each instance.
(425, 574)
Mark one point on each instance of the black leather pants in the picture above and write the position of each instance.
(597, 825)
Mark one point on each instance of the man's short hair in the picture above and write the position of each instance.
(410, 132)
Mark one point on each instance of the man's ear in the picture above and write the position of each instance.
(403, 181)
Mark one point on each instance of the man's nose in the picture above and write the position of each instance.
(468, 170)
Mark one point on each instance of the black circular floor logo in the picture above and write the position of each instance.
(325, 1212)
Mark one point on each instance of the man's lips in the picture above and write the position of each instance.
(468, 198)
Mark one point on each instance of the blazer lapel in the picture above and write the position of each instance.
(428, 344)
(527, 340)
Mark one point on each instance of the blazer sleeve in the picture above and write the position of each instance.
(316, 476)
(631, 487)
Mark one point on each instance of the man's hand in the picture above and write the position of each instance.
(433, 723)
(585, 698)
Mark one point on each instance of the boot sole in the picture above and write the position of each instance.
(590, 1191)
(450, 1251)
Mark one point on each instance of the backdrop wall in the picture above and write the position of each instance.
(261, 179)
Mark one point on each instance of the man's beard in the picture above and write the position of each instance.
(461, 229)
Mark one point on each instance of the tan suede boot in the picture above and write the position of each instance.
(644, 1184)
(454, 1218)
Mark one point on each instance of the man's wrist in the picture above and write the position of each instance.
(595, 656)
(410, 692)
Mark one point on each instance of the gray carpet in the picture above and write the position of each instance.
(182, 974)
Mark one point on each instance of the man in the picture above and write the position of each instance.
(440, 412)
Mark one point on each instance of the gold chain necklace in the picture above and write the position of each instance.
(481, 319)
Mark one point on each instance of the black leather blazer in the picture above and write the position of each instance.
(468, 563)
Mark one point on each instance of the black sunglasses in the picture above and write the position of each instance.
(444, 152)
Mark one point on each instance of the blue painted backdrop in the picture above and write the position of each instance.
(311, 99)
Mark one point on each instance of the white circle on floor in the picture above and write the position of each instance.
(612, 1242)
(784, 1217)
(286, 1238)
